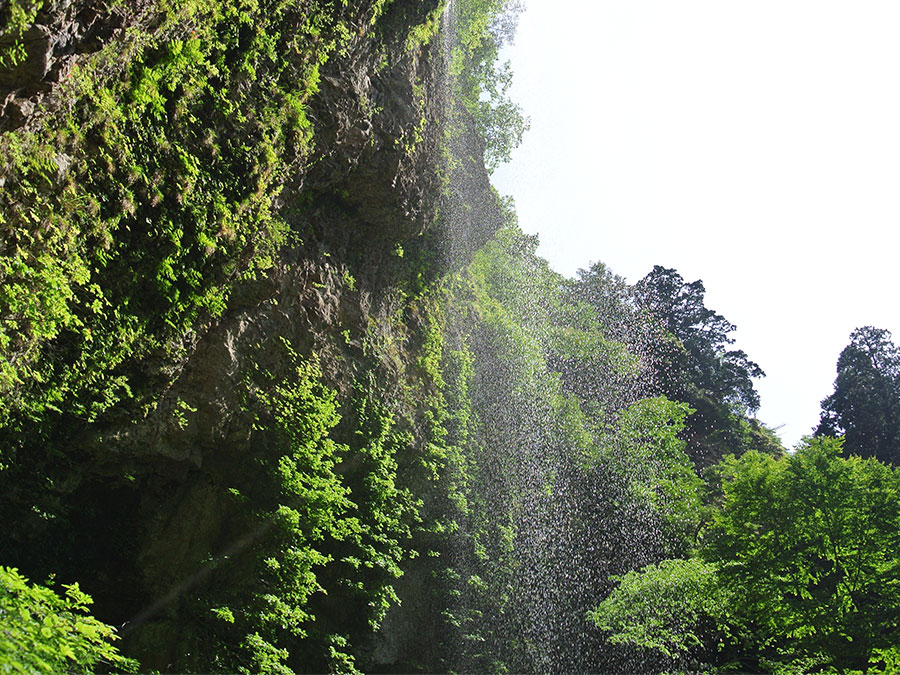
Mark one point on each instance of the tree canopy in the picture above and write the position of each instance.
(809, 547)
(674, 607)
(689, 357)
(797, 571)
(865, 404)
(700, 357)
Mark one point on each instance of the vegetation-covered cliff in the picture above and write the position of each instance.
(283, 387)
(219, 231)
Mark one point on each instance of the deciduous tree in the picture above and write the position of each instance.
(808, 546)
(797, 571)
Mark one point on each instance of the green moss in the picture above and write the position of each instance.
(150, 195)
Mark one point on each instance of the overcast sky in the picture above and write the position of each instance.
(753, 145)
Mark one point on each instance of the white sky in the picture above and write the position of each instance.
(753, 145)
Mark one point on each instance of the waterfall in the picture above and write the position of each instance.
(535, 509)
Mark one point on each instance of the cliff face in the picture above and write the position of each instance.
(281, 385)
(243, 206)
(39, 54)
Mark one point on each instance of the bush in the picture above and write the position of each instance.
(43, 632)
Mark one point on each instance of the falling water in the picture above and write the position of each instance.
(548, 519)
(177, 507)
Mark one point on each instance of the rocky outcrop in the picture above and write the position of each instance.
(39, 58)
(372, 212)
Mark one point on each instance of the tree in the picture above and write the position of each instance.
(865, 405)
(675, 607)
(796, 572)
(643, 448)
(480, 29)
(808, 547)
(690, 361)
(609, 295)
(703, 335)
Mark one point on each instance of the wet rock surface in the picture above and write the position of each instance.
(372, 188)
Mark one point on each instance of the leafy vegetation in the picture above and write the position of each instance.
(149, 197)
(675, 607)
(521, 449)
(644, 448)
(17, 17)
(128, 219)
(261, 451)
(330, 533)
(807, 546)
(865, 405)
(44, 632)
(481, 27)
(797, 571)
(690, 362)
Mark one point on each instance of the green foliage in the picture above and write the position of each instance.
(421, 34)
(480, 418)
(797, 571)
(127, 219)
(43, 632)
(149, 196)
(703, 335)
(865, 405)
(470, 528)
(610, 299)
(481, 483)
(690, 361)
(807, 545)
(480, 28)
(520, 444)
(511, 278)
(333, 526)
(674, 607)
(644, 449)
(15, 18)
